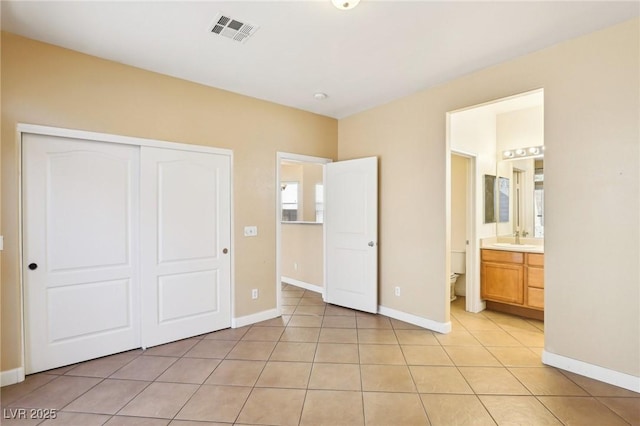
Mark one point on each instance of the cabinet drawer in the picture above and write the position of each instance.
(535, 259)
(535, 297)
(502, 256)
(535, 277)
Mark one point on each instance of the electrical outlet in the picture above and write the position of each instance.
(397, 291)
(254, 293)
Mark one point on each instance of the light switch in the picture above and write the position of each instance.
(250, 231)
(1, 243)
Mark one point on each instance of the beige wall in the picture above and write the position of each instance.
(592, 275)
(47, 85)
(459, 182)
(520, 128)
(302, 245)
(474, 131)
(312, 175)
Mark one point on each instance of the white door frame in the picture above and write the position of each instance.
(303, 159)
(22, 128)
(473, 301)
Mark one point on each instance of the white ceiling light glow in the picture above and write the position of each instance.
(531, 152)
(345, 4)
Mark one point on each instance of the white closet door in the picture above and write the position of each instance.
(79, 245)
(186, 236)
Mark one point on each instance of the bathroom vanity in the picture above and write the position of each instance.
(513, 281)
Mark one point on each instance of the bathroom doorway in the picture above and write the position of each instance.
(501, 136)
(463, 263)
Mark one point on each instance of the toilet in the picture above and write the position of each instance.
(458, 259)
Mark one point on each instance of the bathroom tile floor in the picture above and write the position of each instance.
(324, 365)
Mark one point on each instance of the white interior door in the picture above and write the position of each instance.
(186, 237)
(79, 231)
(351, 220)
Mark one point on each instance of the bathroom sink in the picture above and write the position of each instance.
(515, 246)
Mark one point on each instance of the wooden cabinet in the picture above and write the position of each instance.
(514, 278)
(502, 275)
(534, 280)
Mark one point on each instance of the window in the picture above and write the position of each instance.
(289, 201)
(319, 203)
(538, 202)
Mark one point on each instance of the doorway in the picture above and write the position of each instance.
(492, 133)
(300, 229)
(463, 250)
(345, 206)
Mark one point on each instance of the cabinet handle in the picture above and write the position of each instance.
(33, 266)
(225, 250)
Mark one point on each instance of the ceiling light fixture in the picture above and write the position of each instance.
(345, 4)
(319, 96)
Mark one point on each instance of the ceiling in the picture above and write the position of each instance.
(377, 52)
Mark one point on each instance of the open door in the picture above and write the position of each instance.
(351, 220)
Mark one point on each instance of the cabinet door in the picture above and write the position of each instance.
(502, 282)
(535, 277)
(535, 298)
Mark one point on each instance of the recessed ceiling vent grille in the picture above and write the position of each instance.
(232, 28)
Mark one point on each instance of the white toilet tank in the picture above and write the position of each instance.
(458, 262)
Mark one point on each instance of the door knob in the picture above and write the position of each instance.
(225, 250)
(371, 244)
(33, 266)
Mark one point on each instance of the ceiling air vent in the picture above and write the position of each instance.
(232, 28)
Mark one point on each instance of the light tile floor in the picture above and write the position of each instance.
(324, 365)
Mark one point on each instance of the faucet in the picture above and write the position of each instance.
(517, 235)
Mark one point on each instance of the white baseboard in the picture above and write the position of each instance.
(440, 327)
(302, 284)
(254, 318)
(616, 378)
(11, 377)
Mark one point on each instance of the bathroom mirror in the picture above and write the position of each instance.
(489, 199)
(301, 186)
(503, 199)
(523, 202)
(497, 194)
(519, 169)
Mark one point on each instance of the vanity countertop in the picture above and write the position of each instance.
(526, 246)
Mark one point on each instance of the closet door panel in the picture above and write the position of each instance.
(186, 235)
(80, 210)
